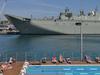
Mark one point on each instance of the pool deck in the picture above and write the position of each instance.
(18, 66)
(15, 70)
(73, 63)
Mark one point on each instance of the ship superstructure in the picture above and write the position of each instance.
(66, 23)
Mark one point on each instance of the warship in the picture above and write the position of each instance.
(65, 23)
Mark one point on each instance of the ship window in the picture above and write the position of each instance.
(78, 23)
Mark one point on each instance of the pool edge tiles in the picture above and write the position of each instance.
(69, 65)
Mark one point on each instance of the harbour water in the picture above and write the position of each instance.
(34, 47)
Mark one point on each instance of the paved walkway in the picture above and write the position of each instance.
(16, 69)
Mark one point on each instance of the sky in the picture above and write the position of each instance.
(40, 8)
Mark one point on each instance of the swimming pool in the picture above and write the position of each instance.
(63, 70)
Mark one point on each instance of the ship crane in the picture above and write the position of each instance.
(2, 6)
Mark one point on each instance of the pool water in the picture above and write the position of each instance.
(63, 70)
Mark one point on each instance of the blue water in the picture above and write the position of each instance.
(63, 70)
(34, 47)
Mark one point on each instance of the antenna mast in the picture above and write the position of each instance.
(81, 5)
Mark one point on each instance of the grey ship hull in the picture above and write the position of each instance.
(54, 27)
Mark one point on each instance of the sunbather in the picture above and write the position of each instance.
(6, 66)
(11, 60)
(54, 59)
(61, 59)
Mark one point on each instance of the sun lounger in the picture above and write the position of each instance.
(11, 60)
(35, 63)
(68, 60)
(88, 59)
(97, 59)
(44, 60)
